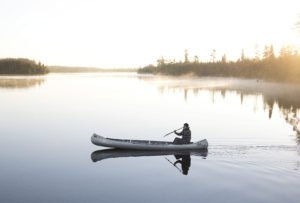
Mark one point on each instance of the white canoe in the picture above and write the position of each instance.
(146, 144)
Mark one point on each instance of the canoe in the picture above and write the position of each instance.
(124, 153)
(146, 144)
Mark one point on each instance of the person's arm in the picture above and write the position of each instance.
(176, 162)
(180, 134)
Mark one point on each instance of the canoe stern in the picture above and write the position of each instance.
(203, 144)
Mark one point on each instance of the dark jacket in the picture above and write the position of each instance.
(186, 135)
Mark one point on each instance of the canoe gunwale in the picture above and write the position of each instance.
(152, 142)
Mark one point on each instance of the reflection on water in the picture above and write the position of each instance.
(45, 144)
(285, 96)
(182, 158)
(11, 83)
(184, 161)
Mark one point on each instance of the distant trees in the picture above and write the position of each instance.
(21, 66)
(287, 51)
(284, 68)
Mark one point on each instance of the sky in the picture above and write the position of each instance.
(135, 33)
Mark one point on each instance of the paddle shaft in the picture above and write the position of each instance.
(172, 132)
(173, 164)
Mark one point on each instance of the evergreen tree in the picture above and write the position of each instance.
(224, 59)
(257, 53)
(242, 55)
(196, 59)
(161, 61)
(186, 56)
(268, 53)
(213, 55)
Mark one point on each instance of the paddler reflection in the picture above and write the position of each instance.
(185, 161)
(181, 159)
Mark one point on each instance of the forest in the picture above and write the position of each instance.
(265, 66)
(21, 66)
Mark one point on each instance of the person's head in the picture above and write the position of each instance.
(186, 125)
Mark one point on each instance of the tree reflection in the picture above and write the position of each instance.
(285, 96)
(15, 83)
(183, 158)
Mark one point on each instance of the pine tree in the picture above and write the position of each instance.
(186, 56)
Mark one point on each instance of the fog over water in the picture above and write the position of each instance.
(46, 155)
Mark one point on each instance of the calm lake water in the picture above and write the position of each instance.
(46, 122)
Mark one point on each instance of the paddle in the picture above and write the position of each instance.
(173, 164)
(172, 132)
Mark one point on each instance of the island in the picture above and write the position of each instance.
(21, 66)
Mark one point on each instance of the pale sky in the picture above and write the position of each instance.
(133, 33)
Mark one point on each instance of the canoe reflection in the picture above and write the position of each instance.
(183, 158)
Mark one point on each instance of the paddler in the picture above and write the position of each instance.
(185, 134)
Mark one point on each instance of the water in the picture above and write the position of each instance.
(46, 155)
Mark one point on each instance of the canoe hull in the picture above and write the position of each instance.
(146, 145)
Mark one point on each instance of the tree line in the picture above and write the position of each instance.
(267, 66)
(22, 66)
